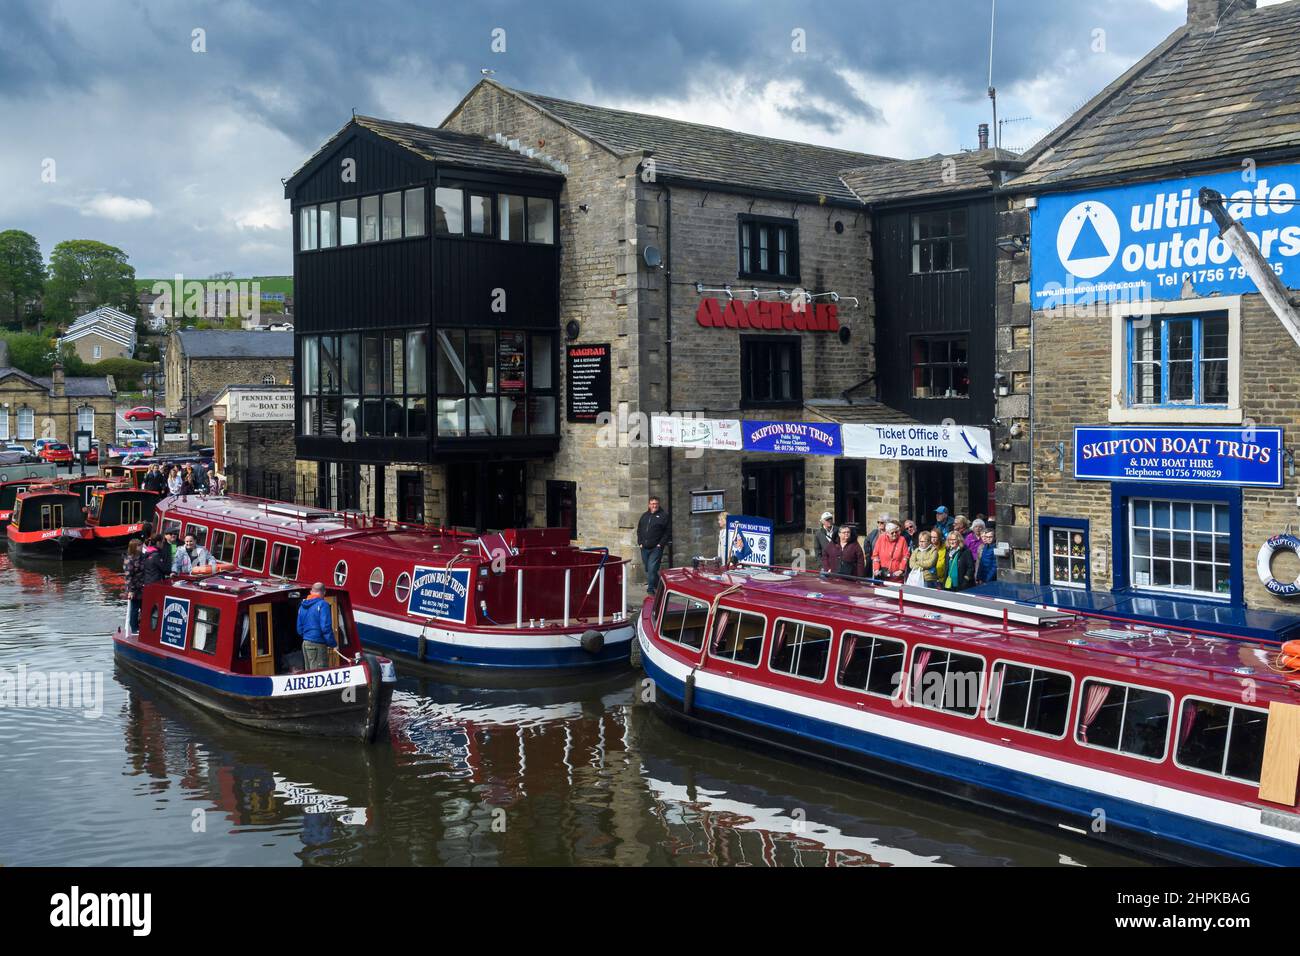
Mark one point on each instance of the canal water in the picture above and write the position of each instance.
(579, 773)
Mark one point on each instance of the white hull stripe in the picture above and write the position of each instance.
(500, 641)
(1050, 769)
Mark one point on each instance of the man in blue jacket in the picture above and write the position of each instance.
(316, 625)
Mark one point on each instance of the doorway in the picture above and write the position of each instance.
(410, 497)
(850, 493)
(562, 506)
(487, 496)
(932, 486)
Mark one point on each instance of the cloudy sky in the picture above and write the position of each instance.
(176, 156)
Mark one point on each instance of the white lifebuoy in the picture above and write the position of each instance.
(1264, 564)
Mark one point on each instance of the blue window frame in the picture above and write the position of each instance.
(1127, 500)
(1178, 361)
(1064, 552)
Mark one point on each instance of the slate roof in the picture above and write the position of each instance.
(709, 154)
(105, 321)
(217, 343)
(1198, 96)
(861, 411)
(75, 387)
(937, 175)
(444, 146)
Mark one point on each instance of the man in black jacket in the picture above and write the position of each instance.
(653, 534)
(157, 563)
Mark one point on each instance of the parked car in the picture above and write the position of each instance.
(143, 413)
(15, 446)
(55, 451)
(125, 435)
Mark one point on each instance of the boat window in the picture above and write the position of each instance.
(684, 620)
(284, 561)
(945, 680)
(872, 664)
(376, 581)
(51, 517)
(402, 589)
(340, 574)
(200, 533)
(801, 649)
(658, 602)
(131, 512)
(153, 618)
(207, 623)
(1222, 739)
(252, 553)
(1030, 699)
(96, 504)
(223, 546)
(173, 525)
(737, 636)
(1127, 719)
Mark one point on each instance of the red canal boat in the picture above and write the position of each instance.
(49, 522)
(230, 644)
(118, 513)
(1187, 741)
(521, 598)
(9, 492)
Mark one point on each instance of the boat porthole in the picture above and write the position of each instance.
(340, 574)
(402, 589)
(376, 581)
(153, 618)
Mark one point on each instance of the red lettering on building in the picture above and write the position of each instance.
(761, 314)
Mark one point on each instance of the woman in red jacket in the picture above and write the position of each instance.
(889, 556)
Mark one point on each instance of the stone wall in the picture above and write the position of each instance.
(259, 447)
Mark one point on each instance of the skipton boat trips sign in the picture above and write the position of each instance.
(1146, 241)
(440, 594)
(1220, 456)
(793, 438)
(749, 540)
(175, 622)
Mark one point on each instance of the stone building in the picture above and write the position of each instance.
(57, 407)
(1148, 431)
(676, 252)
(105, 333)
(200, 363)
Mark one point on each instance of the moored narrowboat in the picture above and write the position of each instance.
(1061, 718)
(9, 492)
(230, 644)
(49, 522)
(118, 513)
(520, 599)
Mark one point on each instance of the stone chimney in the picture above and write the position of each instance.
(984, 135)
(1203, 16)
(56, 379)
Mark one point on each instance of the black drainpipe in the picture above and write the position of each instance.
(668, 344)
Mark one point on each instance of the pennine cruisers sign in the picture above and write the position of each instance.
(1213, 456)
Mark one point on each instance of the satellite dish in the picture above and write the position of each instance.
(652, 257)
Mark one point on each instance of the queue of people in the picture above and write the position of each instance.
(188, 479)
(154, 557)
(954, 554)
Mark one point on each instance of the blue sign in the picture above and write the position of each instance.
(175, 622)
(1212, 456)
(1146, 241)
(793, 438)
(749, 541)
(439, 593)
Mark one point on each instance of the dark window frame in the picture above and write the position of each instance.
(493, 194)
(953, 368)
(336, 226)
(748, 230)
(529, 392)
(949, 239)
(749, 345)
(318, 420)
(773, 471)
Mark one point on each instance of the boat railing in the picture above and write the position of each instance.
(577, 589)
(1008, 631)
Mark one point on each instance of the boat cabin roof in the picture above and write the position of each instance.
(233, 588)
(994, 627)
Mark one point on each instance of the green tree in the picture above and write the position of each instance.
(33, 354)
(87, 273)
(22, 272)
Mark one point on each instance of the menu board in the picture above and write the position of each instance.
(589, 377)
(510, 361)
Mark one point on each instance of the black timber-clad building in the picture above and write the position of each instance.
(426, 276)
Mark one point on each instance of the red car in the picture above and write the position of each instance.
(143, 413)
(55, 451)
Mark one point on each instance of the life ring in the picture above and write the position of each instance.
(1264, 564)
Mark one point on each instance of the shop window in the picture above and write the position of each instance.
(1222, 739)
(871, 664)
(1128, 720)
(484, 386)
(1178, 360)
(1067, 557)
(775, 490)
(940, 366)
(769, 248)
(771, 371)
(945, 680)
(939, 242)
(1180, 546)
(1030, 699)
